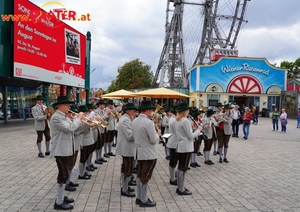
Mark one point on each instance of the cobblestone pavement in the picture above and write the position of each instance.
(263, 174)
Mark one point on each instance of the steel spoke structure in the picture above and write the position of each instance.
(195, 28)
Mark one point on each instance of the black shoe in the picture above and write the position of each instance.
(218, 153)
(225, 160)
(73, 184)
(90, 169)
(207, 162)
(135, 170)
(215, 153)
(111, 154)
(185, 192)
(127, 193)
(237, 136)
(63, 206)
(168, 157)
(106, 155)
(69, 188)
(88, 174)
(98, 162)
(131, 189)
(173, 182)
(132, 183)
(103, 160)
(149, 203)
(137, 201)
(233, 135)
(47, 153)
(94, 167)
(193, 165)
(41, 155)
(68, 200)
(84, 177)
(199, 154)
(114, 145)
(197, 164)
(220, 160)
(211, 162)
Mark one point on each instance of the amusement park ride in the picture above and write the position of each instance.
(199, 32)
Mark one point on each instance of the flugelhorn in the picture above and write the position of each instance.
(84, 119)
(102, 122)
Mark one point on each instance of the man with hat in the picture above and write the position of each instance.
(165, 125)
(41, 125)
(126, 147)
(62, 133)
(217, 116)
(236, 121)
(110, 116)
(101, 112)
(209, 129)
(145, 138)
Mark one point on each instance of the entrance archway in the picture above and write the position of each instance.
(244, 84)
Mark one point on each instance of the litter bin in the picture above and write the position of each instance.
(265, 112)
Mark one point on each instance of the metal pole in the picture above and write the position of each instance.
(88, 67)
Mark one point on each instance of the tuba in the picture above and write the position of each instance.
(157, 109)
(49, 110)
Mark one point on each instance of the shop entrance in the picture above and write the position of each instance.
(242, 101)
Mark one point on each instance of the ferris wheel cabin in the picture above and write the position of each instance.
(217, 53)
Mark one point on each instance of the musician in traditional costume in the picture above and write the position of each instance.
(126, 148)
(41, 125)
(209, 128)
(224, 132)
(165, 125)
(197, 141)
(216, 116)
(185, 138)
(62, 133)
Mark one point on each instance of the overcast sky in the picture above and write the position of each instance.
(125, 30)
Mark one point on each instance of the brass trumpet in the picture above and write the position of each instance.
(84, 119)
(103, 123)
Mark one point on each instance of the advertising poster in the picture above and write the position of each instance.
(45, 48)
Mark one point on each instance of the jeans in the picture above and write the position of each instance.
(246, 130)
(275, 123)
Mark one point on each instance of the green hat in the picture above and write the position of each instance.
(219, 104)
(110, 102)
(74, 109)
(83, 108)
(227, 106)
(129, 106)
(101, 102)
(194, 112)
(39, 97)
(210, 112)
(183, 106)
(168, 109)
(146, 104)
(90, 106)
(63, 100)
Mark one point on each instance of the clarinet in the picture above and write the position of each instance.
(204, 136)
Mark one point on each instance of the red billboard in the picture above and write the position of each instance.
(46, 49)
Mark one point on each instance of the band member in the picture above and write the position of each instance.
(172, 145)
(41, 125)
(209, 127)
(95, 131)
(87, 145)
(101, 112)
(62, 132)
(126, 147)
(201, 116)
(236, 121)
(216, 116)
(197, 141)
(145, 138)
(185, 138)
(224, 132)
(110, 115)
(71, 186)
(165, 125)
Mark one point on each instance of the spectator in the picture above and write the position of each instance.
(246, 122)
(275, 117)
(283, 120)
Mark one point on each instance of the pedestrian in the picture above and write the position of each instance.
(236, 121)
(247, 117)
(298, 119)
(62, 133)
(283, 120)
(275, 116)
(146, 138)
(126, 148)
(41, 125)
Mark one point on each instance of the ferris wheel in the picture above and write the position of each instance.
(193, 29)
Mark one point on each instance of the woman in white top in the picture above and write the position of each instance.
(185, 138)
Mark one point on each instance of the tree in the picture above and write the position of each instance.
(132, 75)
(293, 68)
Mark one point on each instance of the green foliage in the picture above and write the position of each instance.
(293, 68)
(132, 75)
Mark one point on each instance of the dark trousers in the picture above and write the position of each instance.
(63, 169)
(173, 158)
(45, 132)
(197, 143)
(235, 127)
(109, 136)
(127, 166)
(223, 139)
(145, 170)
(72, 160)
(184, 161)
(85, 153)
